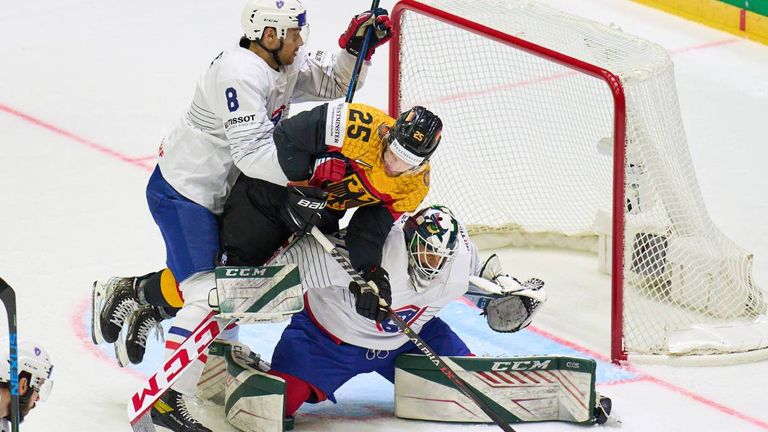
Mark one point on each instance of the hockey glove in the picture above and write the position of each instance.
(329, 168)
(512, 312)
(305, 207)
(352, 39)
(367, 302)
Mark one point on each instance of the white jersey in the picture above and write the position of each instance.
(228, 127)
(332, 306)
(5, 425)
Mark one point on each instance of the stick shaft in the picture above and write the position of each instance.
(414, 337)
(8, 297)
(361, 57)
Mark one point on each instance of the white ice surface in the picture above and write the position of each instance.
(83, 82)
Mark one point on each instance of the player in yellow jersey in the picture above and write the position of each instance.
(337, 156)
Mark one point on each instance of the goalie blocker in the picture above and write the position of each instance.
(520, 389)
(257, 294)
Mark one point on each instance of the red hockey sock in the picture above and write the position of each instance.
(297, 391)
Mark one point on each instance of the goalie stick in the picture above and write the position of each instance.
(440, 363)
(8, 297)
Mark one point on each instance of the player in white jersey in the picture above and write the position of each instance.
(35, 383)
(430, 260)
(226, 131)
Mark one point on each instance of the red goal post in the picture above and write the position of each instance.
(583, 94)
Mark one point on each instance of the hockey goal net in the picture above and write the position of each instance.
(560, 131)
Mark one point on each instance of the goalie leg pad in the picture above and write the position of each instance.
(521, 389)
(254, 400)
(212, 384)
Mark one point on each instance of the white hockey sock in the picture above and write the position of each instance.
(195, 290)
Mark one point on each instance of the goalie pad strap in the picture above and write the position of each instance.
(212, 384)
(520, 389)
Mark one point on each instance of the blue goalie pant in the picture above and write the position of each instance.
(309, 353)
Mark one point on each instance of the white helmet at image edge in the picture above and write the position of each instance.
(278, 14)
(32, 359)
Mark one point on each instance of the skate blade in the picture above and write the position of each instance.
(98, 294)
(121, 353)
(145, 424)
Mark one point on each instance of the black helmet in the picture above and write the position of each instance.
(418, 130)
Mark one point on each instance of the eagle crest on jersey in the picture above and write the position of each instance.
(353, 129)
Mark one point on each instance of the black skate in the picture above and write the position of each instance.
(602, 409)
(132, 343)
(111, 303)
(170, 414)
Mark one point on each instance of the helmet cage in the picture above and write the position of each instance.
(431, 240)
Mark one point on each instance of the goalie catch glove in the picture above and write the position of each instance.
(352, 39)
(367, 302)
(513, 311)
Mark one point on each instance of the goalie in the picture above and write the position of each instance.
(343, 331)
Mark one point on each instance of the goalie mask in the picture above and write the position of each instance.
(431, 238)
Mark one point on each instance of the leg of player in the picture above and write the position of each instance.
(170, 411)
(524, 388)
(439, 336)
(257, 398)
(311, 376)
(221, 354)
(191, 235)
(159, 299)
(251, 226)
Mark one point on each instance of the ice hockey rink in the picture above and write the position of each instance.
(88, 88)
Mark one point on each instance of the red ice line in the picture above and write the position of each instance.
(642, 376)
(88, 143)
(77, 327)
(81, 310)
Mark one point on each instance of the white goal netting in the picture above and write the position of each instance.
(528, 150)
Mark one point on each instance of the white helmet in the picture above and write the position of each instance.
(32, 359)
(279, 14)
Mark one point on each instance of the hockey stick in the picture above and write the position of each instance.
(361, 55)
(187, 353)
(414, 337)
(493, 288)
(8, 297)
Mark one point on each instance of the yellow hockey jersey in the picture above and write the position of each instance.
(354, 130)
